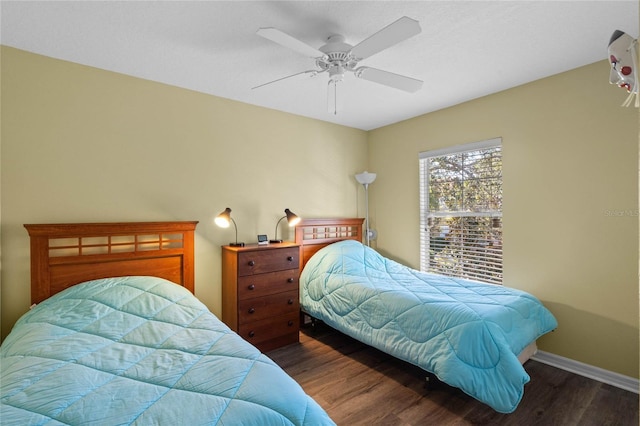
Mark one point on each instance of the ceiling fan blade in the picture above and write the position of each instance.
(290, 42)
(312, 72)
(394, 33)
(390, 79)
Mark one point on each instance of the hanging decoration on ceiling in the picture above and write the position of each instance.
(623, 57)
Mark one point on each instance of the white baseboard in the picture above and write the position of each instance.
(596, 373)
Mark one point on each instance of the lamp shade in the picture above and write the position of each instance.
(365, 177)
(292, 218)
(223, 220)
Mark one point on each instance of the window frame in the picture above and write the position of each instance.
(426, 214)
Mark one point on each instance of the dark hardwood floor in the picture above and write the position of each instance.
(359, 385)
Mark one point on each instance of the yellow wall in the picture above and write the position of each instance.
(570, 155)
(85, 145)
(81, 144)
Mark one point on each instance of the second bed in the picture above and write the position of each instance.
(467, 333)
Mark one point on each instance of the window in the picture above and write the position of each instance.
(461, 211)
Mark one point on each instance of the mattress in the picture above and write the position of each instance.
(140, 350)
(467, 333)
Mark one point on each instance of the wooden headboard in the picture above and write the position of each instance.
(314, 234)
(63, 255)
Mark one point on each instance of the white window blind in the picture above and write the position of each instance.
(461, 211)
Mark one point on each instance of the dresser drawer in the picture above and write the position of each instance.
(265, 284)
(259, 332)
(268, 306)
(261, 261)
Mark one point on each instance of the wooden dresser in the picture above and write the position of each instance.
(260, 293)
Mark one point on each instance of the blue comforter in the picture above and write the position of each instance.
(466, 333)
(140, 350)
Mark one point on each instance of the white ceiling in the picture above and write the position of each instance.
(467, 49)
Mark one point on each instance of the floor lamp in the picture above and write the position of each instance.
(366, 178)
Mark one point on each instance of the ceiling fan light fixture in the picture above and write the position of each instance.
(336, 73)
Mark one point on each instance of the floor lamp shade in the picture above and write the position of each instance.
(365, 177)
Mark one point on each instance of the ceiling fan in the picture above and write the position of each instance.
(337, 57)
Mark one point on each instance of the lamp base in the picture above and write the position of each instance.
(275, 241)
(236, 244)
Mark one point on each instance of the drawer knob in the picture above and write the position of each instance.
(252, 333)
(290, 280)
(290, 323)
(251, 263)
(290, 258)
(251, 287)
(251, 310)
(290, 301)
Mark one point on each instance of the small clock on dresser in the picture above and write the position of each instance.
(260, 293)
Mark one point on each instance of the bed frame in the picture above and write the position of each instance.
(314, 234)
(63, 255)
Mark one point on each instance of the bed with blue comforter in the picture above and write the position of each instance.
(140, 350)
(467, 333)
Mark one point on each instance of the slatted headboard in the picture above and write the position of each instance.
(63, 255)
(314, 234)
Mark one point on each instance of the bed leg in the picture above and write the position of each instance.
(314, 323)
(307, 320)
(431, 381)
